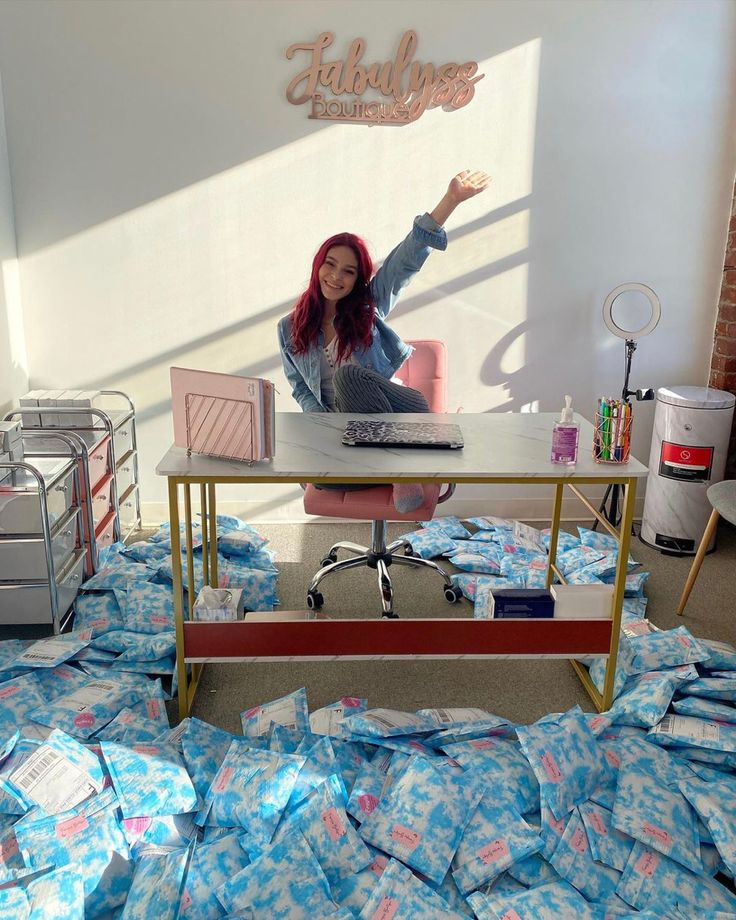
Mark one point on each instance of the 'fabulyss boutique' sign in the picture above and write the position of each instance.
(408, 87)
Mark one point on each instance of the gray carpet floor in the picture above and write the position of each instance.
(521, 690)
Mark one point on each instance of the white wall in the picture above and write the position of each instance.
(169, 200)
(13, 362)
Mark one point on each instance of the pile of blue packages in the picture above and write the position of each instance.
(107, 813)
(497, 553)
(127, 605)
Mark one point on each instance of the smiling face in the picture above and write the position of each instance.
(338, 273)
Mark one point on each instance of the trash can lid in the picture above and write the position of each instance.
(696, 397)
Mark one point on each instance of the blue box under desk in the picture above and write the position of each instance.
(522, 603)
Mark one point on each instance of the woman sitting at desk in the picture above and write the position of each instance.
(338, 352)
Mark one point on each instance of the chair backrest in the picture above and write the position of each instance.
(426, 371)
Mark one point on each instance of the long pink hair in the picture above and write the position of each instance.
(355, 312)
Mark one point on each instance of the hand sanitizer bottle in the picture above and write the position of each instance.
(565, 437)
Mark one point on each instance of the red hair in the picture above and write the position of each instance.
(355, 312)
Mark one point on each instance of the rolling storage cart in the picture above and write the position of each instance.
(41, 552)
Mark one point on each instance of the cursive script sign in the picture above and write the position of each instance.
(408, 87)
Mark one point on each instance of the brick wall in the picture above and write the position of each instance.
(723, 360)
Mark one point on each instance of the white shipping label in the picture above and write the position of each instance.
(45, 653)
(528, 536)
(391, 719)
(688, 727)
(326, 721)
(457, 715)
(53, 782)
(94, 692)
(282, 712)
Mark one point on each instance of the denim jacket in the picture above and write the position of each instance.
(386, 352)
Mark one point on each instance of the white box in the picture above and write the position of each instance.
(48, 400)
(11, 435)
(31, 419)
(227, 613)
(583, 602)
(85, 399)
(66, 401)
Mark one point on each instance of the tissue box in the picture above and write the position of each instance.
(231, 608)
(524, 603)
(10, 436)
(31, 419)
(583, 602)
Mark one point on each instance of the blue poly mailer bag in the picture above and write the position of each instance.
(148, 553)
(644, 699)
(290, 710)
(693, 732)
(652, 881)
(574, 862)
(147, 608)
(657, 815)
(565, 757)
(713, 688)
(665, 649)
(565, 540)
(507, 769)
(52, 651)
(134, 646)
(59, 681)
(328, 719)
(551, 901)
(88, 836)
(400, 895)
(451, 525)
(55, 894)
(321, 764)
(204, 747)
(370, 785)
(19, 697)
(240, 542)
(533, 871)
(429, 542)
(251, 789)
(156, 889)
(597, 540)
(150, 779)
(286, 881)
(352, 891)
(722, 655)
(169, 831)
(386, 723)
(421, 819)
(87, 708)
(282, 739)
(715, 803)
(703, 708)
(572, 560)
(608, 845)
(495, 838)
(117, 575)
(140, 723)
(162, 537)
(212, 865)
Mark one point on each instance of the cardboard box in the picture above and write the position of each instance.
(583, 602)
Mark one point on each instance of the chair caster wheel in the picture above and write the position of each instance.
(408, 551)
(328, 560)
(453, 595)
(314, 600)
(390, 616)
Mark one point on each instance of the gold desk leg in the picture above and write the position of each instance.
(556, 514)
(176, 573)
(191, 579)
(205, 533)
(212, 508)
(618, 591)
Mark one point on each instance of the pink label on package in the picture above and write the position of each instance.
(137, 826)
(127, 718)
(511, 915)
(598, 720)
(333, 824)
(8, 849)
(551, 769)
(153, 708)
(405, 836)
(386, 909)
(578, 841)
(98, 624)
(684, 641)
(8, 691)
(84, 720)
(557, 826)
(251, 712)
(647, 863)
(482, 744)
(657, 833)
(378, 865)
(367, 803)
(223, 779)
(613, 759)
(223, 581)
(186, 900)
(596, 819)
(493, 851)
(64, 673)
(72, 826)
(157, 618)
(351, 702)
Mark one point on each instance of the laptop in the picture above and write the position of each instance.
(377, 433)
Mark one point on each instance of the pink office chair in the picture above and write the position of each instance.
(426, 371)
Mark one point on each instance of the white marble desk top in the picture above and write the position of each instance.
(498, 447)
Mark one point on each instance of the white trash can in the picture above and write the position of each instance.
(692, 427)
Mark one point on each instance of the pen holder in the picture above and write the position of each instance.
(612, 438)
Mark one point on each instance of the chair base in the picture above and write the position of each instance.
(378, 556)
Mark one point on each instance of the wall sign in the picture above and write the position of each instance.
(405, 88)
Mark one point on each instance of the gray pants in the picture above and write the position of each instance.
(358, 389)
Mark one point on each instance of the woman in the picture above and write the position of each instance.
(338, 352)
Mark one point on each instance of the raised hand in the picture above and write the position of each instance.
(467, 184)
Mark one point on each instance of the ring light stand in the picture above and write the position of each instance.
(609, 507)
